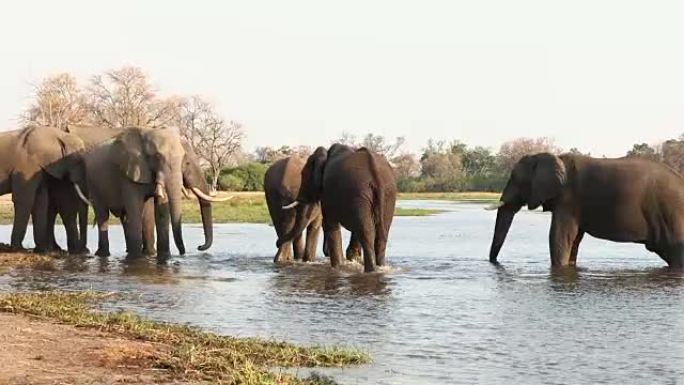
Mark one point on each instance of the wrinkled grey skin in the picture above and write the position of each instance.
(123, 173)
(357, 190)
(622, 200)
(32, 157)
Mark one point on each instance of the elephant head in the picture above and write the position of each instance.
(536, 180)
(154, 157)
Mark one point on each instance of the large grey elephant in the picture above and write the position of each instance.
(68, 203)
(356, 189)
(622, 200)
(32, 157)
(127, 172)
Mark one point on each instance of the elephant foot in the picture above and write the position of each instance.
(163, 254)
(102, 253)
(150, 251)
(80, 251)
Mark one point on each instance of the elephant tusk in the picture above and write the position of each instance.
(291, 205)
(159, 192)
(81, 195)
(185, 192)
(495, 206)
(208, 198)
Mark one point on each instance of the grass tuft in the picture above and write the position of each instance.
(191, 352)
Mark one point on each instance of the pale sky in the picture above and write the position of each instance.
(597, 75)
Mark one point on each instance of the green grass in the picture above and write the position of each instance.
(452, 196)
(251, 207)
(190, 353)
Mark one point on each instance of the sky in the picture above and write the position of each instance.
(595, 75)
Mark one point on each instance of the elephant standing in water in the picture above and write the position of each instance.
(622, 200)
(127, 172)
(282, 182)
(34, 158)
(356, 189)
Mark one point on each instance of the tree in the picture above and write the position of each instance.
(375, 143)
(58, 102)
(643, 150)
(673, 154)
(478, 161)
(406, 165)
(441, 167)
(125, 97)
(511, 151)
(212, 138)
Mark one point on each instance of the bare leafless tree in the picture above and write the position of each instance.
(510, 152)
(125, 97)
(212, 138)
(58, 102)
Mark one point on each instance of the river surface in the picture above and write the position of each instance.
(441, 314)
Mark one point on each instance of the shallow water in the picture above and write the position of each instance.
(442, 314)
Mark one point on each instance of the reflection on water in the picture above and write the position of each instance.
(441, 314)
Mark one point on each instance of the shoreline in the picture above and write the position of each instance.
(57, 337)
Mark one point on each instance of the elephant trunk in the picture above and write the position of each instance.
(207, 225)
(301, 223)
(174, 193)
(504, 218)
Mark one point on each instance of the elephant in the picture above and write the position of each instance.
(356, 189)
(137, 175)
(69, 203)
(34, 156)
(281, 186)
(622, 200)
(194, 180)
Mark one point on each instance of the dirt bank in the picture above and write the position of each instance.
(34, 351)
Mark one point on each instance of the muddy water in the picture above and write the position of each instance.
(443, 314)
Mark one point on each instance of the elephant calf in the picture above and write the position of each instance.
(356, 189)
(622, 200)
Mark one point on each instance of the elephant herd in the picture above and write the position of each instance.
(141, 175)
(137, 174)
(623, 200)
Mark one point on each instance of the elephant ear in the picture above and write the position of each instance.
(130, 156)
(70, 148)
(548, 178)
(318, 167)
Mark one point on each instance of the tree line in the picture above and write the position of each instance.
(126, 97)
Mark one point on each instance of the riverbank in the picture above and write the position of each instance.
(250, 207)
(56, 337)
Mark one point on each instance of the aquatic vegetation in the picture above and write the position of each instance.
(189, 352)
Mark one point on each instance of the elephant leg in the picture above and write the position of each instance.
(367, 238)
(312, 233)
(51, 219)
(69, 220)
(674, 255)
(575, 247)
(298, 247)
(354, 248)
(148, 227)
(284, 253)
(82, 213)
(333, 235)
(162, 221)
(562, 236)
(39, 217)
(23, 196)
(102, 218)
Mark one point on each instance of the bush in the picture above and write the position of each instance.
(247, 177)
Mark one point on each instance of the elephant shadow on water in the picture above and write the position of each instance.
(323, 280)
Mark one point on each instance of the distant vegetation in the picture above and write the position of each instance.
(125, 96)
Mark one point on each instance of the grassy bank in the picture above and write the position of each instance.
(251, 207)
(182, 351)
